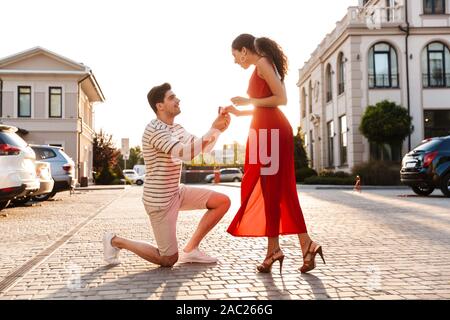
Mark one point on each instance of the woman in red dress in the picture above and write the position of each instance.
(269, 200)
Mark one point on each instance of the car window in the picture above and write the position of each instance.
(446, 144)
(12, 139)
(44, 154)
(429, 145)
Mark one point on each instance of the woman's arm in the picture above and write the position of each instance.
(238, 113)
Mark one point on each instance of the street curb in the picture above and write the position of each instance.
(102, 188)
(319, 187)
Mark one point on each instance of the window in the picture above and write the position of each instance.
(331, 135)
(437, 123)
(341, 74)
(310, 99)
(343, 139)
(434, 6)
(311, 147)
(55, 102)
(43, 154)
(383, 66)
(24, 102)
(436, 66)
(303, 103)
(329, 84)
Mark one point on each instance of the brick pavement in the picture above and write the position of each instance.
(378, 245)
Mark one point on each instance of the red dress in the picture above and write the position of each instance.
(269, 203)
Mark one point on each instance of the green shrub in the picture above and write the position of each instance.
(378, 173)
(304, 173)
(334, 174)
(330, 181)
(105, 177)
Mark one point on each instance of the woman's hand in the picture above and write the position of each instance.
(232, 110)
(240, 101)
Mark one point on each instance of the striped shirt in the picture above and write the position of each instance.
(162, 171)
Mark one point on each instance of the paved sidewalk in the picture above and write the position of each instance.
(378, 245)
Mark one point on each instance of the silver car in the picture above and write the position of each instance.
(62, 169)
(227, 175)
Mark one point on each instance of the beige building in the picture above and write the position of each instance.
(52, 99)
(382, 49)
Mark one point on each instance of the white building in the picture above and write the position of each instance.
(382, 49)
(52, 99)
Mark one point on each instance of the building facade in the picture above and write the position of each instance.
(51, 98)
(395, 50)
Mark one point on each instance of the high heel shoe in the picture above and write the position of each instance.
(310, 264)
(266, 266)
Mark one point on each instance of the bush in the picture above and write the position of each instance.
(321, 180)
(105, 177)
(378, 173)
(334, 174)
(304, 173)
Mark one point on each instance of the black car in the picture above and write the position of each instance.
(427, 167)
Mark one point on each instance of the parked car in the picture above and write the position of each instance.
(140, 169)
(17, 167)
(46, 181)
(227, 175)
(427, 167)
(62, 169)
(134, 177)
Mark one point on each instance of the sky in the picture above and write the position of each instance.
(134, 45)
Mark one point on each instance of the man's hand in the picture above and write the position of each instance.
(222, 122)
(232, 110)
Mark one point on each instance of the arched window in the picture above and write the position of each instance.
(434, 6)
(383, 66)
(310, 97)
(329, 83)
(341, 73)
(436, 66)
(303, 103)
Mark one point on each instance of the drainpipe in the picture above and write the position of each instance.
(1, 98)
(80, 120)
(408, 90)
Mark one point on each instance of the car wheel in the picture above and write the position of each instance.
(3, 204)
(236, 180)
(44, 197)
(423, 190)
(139, 182)
(445, 185)
(21, 201)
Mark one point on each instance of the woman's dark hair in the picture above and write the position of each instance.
(157, 95)
(264, 47)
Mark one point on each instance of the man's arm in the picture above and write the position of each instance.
(188, 151)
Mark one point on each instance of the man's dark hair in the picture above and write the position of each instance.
(157, 94)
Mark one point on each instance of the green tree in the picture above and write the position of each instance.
(302, 169)
(386, 123)
(136, 157)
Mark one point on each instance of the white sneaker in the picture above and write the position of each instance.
(196, 256)
(110, 253)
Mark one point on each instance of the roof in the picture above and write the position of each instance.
(60, 66)
(4, 127)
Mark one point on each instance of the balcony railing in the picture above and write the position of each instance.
(374, 16)
(383, 81)
(436, 80)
